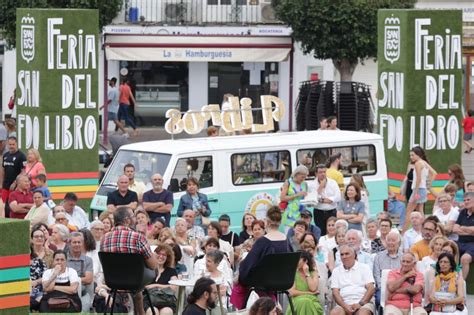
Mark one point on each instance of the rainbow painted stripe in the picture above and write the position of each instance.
(84, 184)
(395, 181)
(14, 281)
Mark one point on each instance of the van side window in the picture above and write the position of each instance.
(198, 167)
(355, 159)
(261, 167)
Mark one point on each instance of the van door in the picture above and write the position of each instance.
(201, 167)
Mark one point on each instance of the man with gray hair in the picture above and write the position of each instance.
(354, 238)
(405, 284)
(464, 227)
(352, 285)
(84, 268)
(158, 201)
(21, 200)
(387, 259)
(122, 196)
(413, 235)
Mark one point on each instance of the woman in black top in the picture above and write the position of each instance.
(165, 272)
(246, 232)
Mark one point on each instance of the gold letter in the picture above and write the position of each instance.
(174, 124)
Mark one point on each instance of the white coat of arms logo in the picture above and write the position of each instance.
(392, 39)
(28, 38)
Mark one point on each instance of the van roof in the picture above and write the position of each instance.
(256, 141)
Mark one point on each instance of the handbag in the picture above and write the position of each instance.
(284, 204)
(59, 303)
(163, 297)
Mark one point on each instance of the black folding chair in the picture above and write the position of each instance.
(123, 272)
(275, 273)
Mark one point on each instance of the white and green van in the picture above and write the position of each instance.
(245, 173)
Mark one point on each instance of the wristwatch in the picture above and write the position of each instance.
(361, 303)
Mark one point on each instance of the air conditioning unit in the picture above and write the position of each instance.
(234, 11)
(267, 12)
(162, 11)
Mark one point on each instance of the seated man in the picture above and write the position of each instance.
(403, 285)
(464, 227)
(352, 285)
(122, 239)
(354, 238)
(123, 196)
(387, 259)
(84, 268)
(422, 248)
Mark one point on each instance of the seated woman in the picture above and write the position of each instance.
(37, 268)
(39, 247)
(320, 254)
(195, 201)
(200, 263)
(447, 292)
(304, 292)
(213, 259)
(272, 243)
(60, 282)
(340, 240)
(246, 232)
(165, 272)
(214, 230)
(436, 246)
(372, 243)
(264, 306)
(154, 233)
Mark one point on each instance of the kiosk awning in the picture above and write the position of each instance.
(191, 48)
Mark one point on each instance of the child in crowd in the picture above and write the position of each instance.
(42, 186)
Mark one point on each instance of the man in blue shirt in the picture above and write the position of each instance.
(113, 104)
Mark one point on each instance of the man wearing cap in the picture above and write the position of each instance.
(307, 217)
(113, 96)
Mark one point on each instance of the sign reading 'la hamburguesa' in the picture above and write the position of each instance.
(420, 87)
(57, 93)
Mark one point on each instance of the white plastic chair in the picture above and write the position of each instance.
(383, 287)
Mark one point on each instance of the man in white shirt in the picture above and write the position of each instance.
(413, 235)
(77, 216)
(352, 285)
(328, 196)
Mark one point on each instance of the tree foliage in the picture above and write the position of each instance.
(108, 10)
(342, 30)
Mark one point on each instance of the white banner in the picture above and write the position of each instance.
(197, 54)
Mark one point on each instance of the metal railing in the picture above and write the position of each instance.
(200, 12)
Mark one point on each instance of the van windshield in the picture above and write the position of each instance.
(146, 164)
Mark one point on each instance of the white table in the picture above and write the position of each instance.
(182, 284)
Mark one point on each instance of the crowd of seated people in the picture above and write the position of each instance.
(344, 251)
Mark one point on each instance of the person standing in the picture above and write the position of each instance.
(332, 123)
(333, 170)
(292, 193)
(134, 185)
(464, 227)
(14, 161)
(468, 126)
(21, 200)
(123, 196)
(158, 201)
(323, 123)
(423, 175)
(113, 96)
(329, 195)
(125, 101)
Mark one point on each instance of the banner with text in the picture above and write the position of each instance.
(420, 88)
(57, 94)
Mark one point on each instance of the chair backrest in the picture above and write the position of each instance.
(276, 272)
(383, 287)
(123, 271)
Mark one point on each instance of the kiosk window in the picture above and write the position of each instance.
(355, 159)
(261, 167)
(198, 167)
